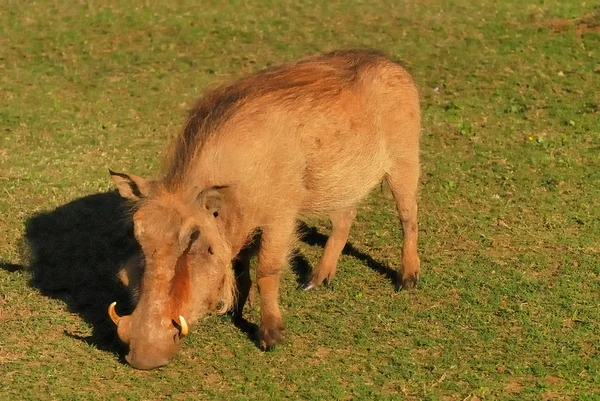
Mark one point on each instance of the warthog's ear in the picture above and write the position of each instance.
(130, 186)
(215, 199)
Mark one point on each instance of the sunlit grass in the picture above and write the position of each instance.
(508, 306)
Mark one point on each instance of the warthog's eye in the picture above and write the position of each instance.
(194, 236)
(210, 251)
(216, 214)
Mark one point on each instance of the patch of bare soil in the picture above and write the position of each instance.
(587, 23)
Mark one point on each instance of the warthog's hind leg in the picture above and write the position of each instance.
(341, 221)
(403, 182)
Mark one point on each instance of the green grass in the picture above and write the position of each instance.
(509, 302)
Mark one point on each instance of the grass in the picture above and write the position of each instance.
(509, 302)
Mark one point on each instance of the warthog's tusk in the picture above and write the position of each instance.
(183, 331)
(113, 314)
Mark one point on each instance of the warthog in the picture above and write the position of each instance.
(303, 139)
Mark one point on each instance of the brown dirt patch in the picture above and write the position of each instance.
(514, 387)
(554, 380)
(587, 23)
(554, 396)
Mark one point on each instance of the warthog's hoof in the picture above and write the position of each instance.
(407, 283)
(312, 284)
(271, 333)
(308, 286)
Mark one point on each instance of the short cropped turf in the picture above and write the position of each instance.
(508, 307)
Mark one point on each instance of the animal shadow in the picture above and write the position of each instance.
(75, 252)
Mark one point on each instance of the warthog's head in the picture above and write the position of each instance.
(184, 270)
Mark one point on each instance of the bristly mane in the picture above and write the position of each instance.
(321, 75)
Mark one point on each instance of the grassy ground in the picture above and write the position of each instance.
(509, 303)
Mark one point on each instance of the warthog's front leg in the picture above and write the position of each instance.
(275, 246)
(241, 266)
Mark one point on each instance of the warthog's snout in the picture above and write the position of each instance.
(152, 348)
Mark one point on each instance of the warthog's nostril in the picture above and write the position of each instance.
(181, 326)
(220, 305)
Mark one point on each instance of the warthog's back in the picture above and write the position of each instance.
(319, 133)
